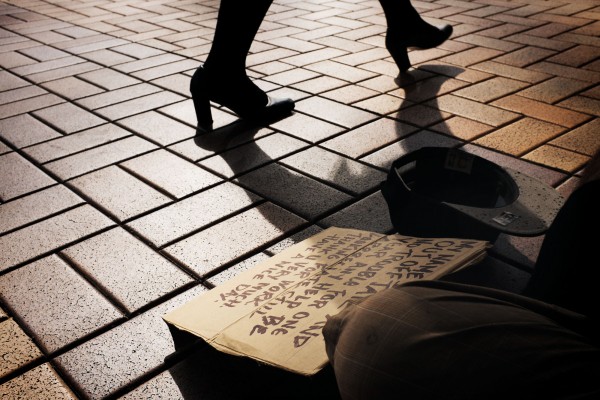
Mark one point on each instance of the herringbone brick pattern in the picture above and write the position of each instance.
(111, 213)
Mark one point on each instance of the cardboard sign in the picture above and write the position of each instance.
(275, 312)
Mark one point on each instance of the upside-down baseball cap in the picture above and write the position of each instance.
(445, 192)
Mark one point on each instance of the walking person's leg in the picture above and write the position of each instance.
(223, 79)
(406, 28)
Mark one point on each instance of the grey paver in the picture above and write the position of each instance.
(239, 160)
(80, 163)
(127, 268)
(40, 383)
(211, 248)
(118, 193)
(19, 176)
(171, 173)
(71, 308)
(159, 128)
(369, 137)
(131, 349)
(76, 142)
(38, 205)
(24, 130)
(193, 213)
(50, 234)
(102, 172)
(303, 195)
(79, 118)
(336, 170)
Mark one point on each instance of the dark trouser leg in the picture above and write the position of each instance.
(441, 340)
(237, 24)
(567, 270)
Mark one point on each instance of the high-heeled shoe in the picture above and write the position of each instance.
(239, 95)
(426, 36)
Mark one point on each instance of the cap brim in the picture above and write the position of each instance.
(531, 214)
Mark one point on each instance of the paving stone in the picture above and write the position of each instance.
(125, 267)
(473, 110)
(20, 177)
(336, 170)
(22, 93)
(319, 84)
(47, 65)
(582, 104)
(117, 96)
(511, 72)
(36, 206)
(107, 57)
(583, 139)
(471, 56)
(79, 118)
(303, 195)
(384, 157)
(139, 105)
(28, 105)
(491, 89)
(119, 193)
(9, 81)
(167, 69)
(24, 130)
(369, 138)
(71, 308)
(72, 88)
(542, 111)
(17, 348)
(554, 90)
(171, 173)
(370, 213)
(217, 143)
(333, 112)
(381, 104)
(47, 235)
(44, 53)
(340, 71)
(4, 148)
(89, 160)
(349, 94)
(13, 60)
(558, 158)
(193, 213)
(76, 142)
(461, 128)
(566, 71)
(420, 115)
(222, 243)
(148, 62)
(132, 350)
(158, 128)
(520, 137)
(42, 382)
(429, 88)
(251, 155)
(307, 128)
(109, 79)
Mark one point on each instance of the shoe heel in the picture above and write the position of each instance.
(400, 56)
(199, 91)
(399, 52)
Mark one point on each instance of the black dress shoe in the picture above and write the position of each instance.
(240, 95)
(425, 36)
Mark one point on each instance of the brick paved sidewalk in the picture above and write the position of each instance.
(111, 214)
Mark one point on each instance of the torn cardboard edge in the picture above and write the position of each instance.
(275, 312)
